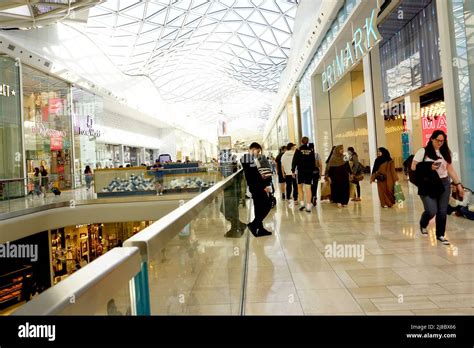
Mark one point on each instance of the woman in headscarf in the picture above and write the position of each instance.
(384, 173)
(338, 171)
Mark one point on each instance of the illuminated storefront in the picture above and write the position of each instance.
(47, 126)
(11, 156)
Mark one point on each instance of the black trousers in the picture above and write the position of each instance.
(262, 206)
(291, 184)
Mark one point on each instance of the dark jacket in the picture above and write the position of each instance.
(278, 163)
(254, 180)
(428, 181)
(304, 160)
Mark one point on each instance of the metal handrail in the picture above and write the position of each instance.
(90, 287)
(155, 237)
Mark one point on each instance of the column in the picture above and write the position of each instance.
(322, 118)
(447, 68)
(412, 112)
(121, 155)
(142, 156)
(373, 100)
(297, 117)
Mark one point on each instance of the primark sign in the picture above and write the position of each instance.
(363, 40)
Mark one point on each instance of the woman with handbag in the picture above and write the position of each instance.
(432, 166)
(357, 172)
(384, 173)
(338, 171)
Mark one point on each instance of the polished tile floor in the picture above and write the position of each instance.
(396, 272)
(386, 267)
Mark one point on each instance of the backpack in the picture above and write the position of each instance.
(411, 173)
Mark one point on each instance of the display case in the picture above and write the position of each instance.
(184, 178)
(16, 286)
(130, 181)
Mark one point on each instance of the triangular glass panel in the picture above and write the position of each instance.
(158, 18)
(280, 24)
(137, 11)
(270, 16)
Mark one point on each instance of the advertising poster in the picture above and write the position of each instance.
(428, 126)
(56, 143)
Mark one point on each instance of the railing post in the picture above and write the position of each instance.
(142, 291)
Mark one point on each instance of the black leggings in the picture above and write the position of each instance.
(262, 206)
(358, 189)
(291, 184)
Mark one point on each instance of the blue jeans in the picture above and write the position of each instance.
(88, 181)
(437, 206)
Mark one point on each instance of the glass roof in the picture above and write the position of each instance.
(212, 59)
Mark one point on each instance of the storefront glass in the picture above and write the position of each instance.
(87, 117)
(462, 39)
(107, 156)
(11, 162)
(47, 126)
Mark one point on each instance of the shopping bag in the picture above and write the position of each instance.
(325, 191)
(352, 191)
(399, 196)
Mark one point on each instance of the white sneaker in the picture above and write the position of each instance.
(424, 231)
(301, 205)
(308, 207)
(443, 240)
(291, 205)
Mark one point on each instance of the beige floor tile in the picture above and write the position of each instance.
(346, 279)
(417, 290)
(224, 309)
(391, 313)
(366, 305)
(308, 265)
(459, 288)
(271, 292)
(266, 274)
(462, 272)
(209, 296)
(383, 261)
(407, 303)
(328, 301)
(279, 308)
(370, 292)
(424, 275)
(454, 300)
(375, 277)
(423, 260)
(345, 264)
(317, 280)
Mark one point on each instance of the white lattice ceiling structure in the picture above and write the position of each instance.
(212, 60)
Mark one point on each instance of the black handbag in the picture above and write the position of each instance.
(380, 176)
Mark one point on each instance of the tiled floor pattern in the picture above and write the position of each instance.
(400, 273)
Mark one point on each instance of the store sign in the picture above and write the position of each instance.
(225, 143)
(6, 90)
(40, 128)
(56, 143)
(429, 125)
(363, 40)
(89, 130)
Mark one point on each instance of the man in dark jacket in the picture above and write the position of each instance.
(304, 162)
(281, 176)
(258, 188)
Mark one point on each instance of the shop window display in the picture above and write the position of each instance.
(73, 247)
(47, 127)
(87, 115)
(11, 162)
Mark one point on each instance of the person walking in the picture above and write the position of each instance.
(338, 172)
(88, 176)
(433, 168)
(316, 175)
(304, 163)
(384, 173)
(291, 185)
(280, 174)
(258, 188)
(357, 171)
(44, 180)
(37, 182)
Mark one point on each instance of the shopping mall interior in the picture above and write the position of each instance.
(142, 143)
